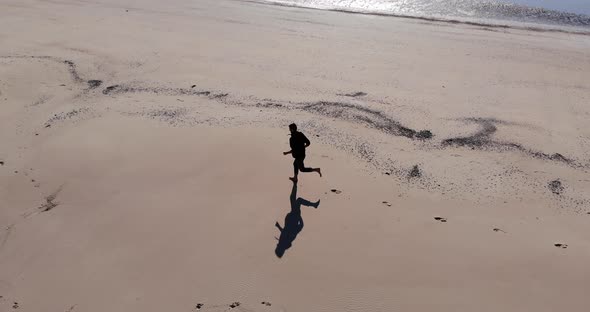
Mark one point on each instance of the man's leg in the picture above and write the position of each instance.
(302, 168)
(295, 170)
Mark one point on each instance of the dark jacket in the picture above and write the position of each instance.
(298, 142)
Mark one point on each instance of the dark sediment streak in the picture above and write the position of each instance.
(93, 84)
(372, 118)
(72, 69)
(415, 172)
(64, 116)
(556, 187)
(70, 64)
(355, 94)
(120, 89)
(482, 139)
(218, 95)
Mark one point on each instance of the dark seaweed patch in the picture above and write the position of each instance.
(365, 151)
(559, 157)
(70, 64)
(556, 187)
(218, 95)
(167, 114)
(171, 115)
(269, 105)
(482, 139)
(120, 89)
(355, 94)
(110, 89)
(93, 84)
(424, 134)
(415, 172)
(370, 117)
(64, 116)
(72, 69)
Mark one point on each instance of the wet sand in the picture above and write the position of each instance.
(141, 166)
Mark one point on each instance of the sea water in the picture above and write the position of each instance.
(542, 13)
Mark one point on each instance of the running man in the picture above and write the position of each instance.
(298, 143)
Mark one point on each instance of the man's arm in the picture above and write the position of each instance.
(287, 153)
(306, 141)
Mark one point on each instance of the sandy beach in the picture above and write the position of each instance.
(141, 164)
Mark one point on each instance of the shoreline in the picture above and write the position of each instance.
(451, 20)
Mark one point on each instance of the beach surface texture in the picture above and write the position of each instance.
(142, 166)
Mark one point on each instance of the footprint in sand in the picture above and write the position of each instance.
(336, 191)
(499, 230)
(266, 303)
(15, 305)
(199, 306)
(50, 204)
(50, 201)
(441, 219)
(386, 203)
(560, 245)
(234, 305)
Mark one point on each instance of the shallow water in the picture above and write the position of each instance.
(572, 6)
(565, 13)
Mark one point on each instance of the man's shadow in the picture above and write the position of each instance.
(293, 222)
